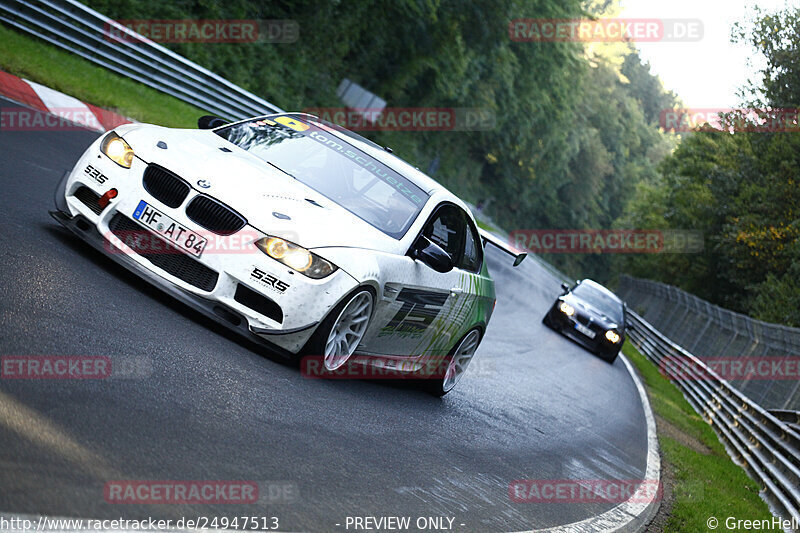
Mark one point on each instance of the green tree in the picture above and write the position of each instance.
(739, 186)
(575, 129)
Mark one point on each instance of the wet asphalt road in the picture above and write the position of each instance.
(200, 404)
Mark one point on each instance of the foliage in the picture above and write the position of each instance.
(739, 185)
(576, 142)
(576, 124)
(704, 481)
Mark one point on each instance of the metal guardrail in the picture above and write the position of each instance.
(792, 418)
(708, 330)
(83, 31)
(767, 447)
(766, 444)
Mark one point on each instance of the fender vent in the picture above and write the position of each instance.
(258, 303)
(89, 198)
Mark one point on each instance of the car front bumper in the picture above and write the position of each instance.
(567, 326)
(303, 304)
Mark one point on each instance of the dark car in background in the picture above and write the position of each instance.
(591, 315)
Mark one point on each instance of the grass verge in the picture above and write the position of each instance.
(58, 69)
(488, 227)
(706, 482)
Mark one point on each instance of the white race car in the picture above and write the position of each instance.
(296, 233)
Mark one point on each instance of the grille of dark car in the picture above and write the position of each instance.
(594, 325)
(89, 198)
(214, 215)
(167, 257)
(165, 186)
(258, 303)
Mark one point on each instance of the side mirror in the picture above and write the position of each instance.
(432, 255)
(565, 287)
(209, 122)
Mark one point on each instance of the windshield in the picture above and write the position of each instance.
(333, 167)
(601, 301)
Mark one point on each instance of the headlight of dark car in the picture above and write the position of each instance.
(566, 309)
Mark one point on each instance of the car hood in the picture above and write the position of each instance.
(587, 309)
(264, 195)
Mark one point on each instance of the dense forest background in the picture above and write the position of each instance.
(577, 142)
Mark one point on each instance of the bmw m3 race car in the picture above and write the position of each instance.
(296, 233)
(591, 315)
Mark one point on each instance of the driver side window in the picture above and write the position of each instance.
(473, 252)
(446, 229)
(451, 229)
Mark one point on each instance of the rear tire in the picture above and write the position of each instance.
(455, 364)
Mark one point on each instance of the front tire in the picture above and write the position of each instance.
(338, 336)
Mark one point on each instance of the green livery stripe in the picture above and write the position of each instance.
(478, 291)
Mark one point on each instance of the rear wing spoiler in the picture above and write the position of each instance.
(489, 238)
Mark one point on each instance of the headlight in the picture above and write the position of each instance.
(612, 336)
(567, 309)
(296, 257)
(117, 150)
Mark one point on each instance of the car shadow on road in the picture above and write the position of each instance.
(133, 281)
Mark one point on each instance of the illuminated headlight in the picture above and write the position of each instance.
(612, 336)
(567, 309)
(296, 257)
(117, 150)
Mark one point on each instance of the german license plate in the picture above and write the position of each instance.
(586, 331)
(153, 219)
